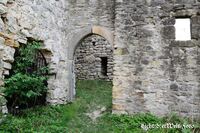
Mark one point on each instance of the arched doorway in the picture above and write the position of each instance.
(75, 42)
(94, 59)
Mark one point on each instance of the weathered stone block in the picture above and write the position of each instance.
(118, 107)
(168, 32)
(8, 55)
(136, 17)
(1, 84)
(195, 32)
(3, 9)
(7, 65)
(6, 72)
(157, 2)
(168, 21)
(191, 43)
(143, 33)
(2, 41)
(174, 87)
(121, 51)
(3, 2)
(2, 25)
(195, 20)
(184, 1)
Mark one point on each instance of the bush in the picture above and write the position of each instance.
(24, 89)
(25, 85)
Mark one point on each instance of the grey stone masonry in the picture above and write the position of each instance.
(94, 59)
(152, 72)
(155, 73)
(6, 53)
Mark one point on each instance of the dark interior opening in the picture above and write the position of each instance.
(104, 63)
(39, 62)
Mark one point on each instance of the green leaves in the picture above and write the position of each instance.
(26, 57)
(24, 82)
(23, 87)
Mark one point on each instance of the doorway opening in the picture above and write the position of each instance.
(93, 63)
(94, 59)
(26, 85)
(87, 47)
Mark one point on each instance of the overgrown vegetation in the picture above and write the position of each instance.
(73, 118)
(26, 85)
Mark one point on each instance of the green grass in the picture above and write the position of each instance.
(72, 118)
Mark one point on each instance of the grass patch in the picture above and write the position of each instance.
(72, 118)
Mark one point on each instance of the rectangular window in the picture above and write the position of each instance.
(104, 63)
(183, 32)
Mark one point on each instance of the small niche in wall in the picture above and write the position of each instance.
(104, 63)
(183, 29)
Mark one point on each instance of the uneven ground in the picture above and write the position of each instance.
(89, 113)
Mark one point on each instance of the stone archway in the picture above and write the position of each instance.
(73, 44)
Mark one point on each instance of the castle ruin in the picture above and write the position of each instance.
(153, 71)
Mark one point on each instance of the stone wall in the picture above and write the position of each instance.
(43, 20)
(80, 17)
(88, 59)
(6, 55)
(153, 72)
(54, 23)
(7, 51)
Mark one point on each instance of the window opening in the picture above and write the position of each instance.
(104, 63)
(183, 29)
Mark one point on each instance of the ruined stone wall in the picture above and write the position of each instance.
(81, 14)
(43, 20)
(6, 53)
(80, 17)
(54, 23)
(89, 61)
(153, 72)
